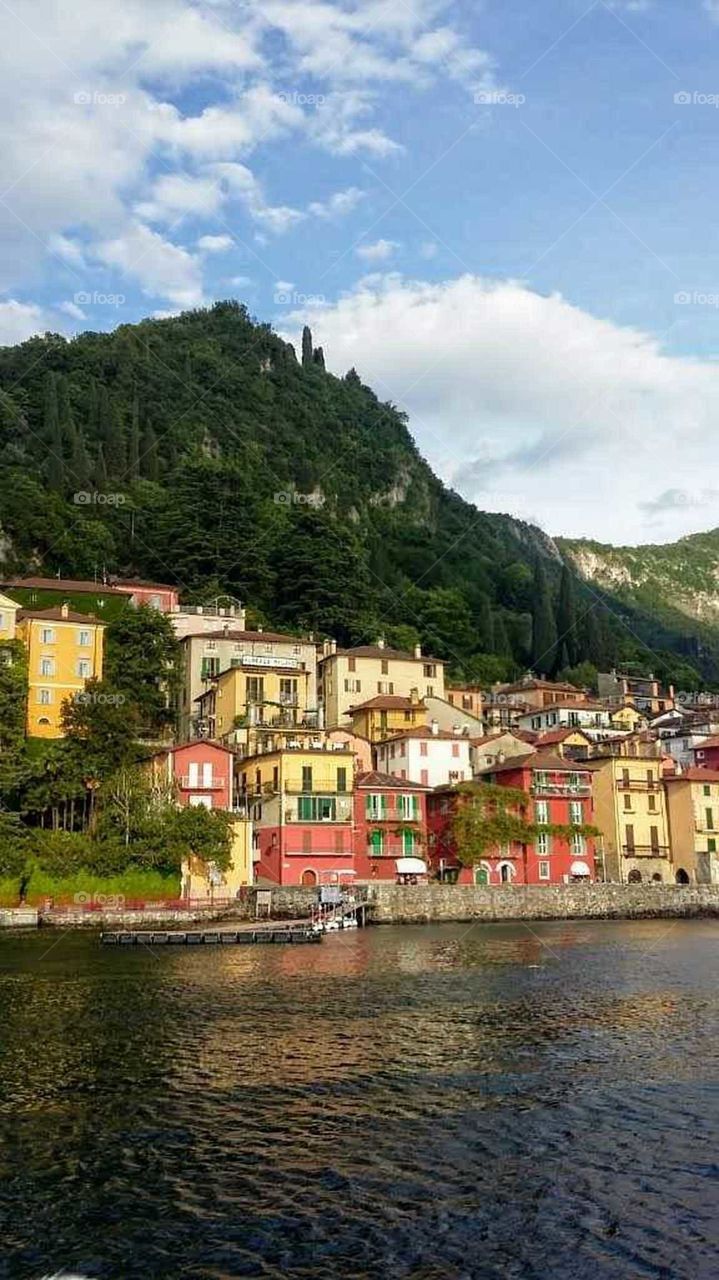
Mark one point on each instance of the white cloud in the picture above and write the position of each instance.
(428, 250)
(20, 320)
(162, 269)
(338, 205)
(528, 404)
(71, 309)
(215, 244)
(379, 251)
(239, 282)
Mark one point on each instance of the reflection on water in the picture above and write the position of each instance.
(419, 1102)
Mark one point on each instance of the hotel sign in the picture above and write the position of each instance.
(251, 660)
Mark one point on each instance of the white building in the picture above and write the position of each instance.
(591, 717)
(426, 754)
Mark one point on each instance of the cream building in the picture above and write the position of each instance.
(693, 806)
(350, 676)
(631, 813)
(8, 617)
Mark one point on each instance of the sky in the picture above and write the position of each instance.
(501, 213)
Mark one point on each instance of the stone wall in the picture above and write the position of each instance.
(18, 917)
(435, 903)
(287, 904)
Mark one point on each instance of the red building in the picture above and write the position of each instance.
(706, 754)
(200, 770)
(559, 794)
(390, 827)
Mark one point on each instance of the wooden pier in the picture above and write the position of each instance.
(210, 937)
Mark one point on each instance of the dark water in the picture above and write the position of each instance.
(422, 1103)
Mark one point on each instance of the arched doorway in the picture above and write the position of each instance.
(634, 877)
(308, 879)
(506, 872)
(657, 878)
(481, 874)
(682, 876)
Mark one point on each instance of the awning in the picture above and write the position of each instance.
(579, 869)
(410, 867)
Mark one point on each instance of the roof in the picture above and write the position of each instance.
(376, 779)
(7, 603)
(536, 682)
(554, 736)
(519, 735)
(543, 760)
(424, 731)
(269, 637)
(569, 706)
(58, 615)
(708, 742)
(191, 742)
(695, 774)
(391, 702)
(77, 585)
(380, 651)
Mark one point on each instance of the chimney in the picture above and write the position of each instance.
(380, 642)
(260, 630)
(418, 651)
(501, 757)
(457, 730)
(434, 727)
(333, 646)
(64, 608)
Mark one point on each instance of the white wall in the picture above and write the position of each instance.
(433, 761)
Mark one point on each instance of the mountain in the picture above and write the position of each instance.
(200, 450)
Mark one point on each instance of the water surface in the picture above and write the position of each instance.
(427, 1103)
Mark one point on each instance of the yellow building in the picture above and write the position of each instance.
(387, 714)
(627, 718)
(65, 650)
(202, 881)
(257, 706)
(348, 677)
(630, 811)
(8, 617)
(693, 806)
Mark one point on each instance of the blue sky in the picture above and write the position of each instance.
(503, 214)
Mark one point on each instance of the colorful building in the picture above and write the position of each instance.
(255, 706)
(350, 676)
(204, 882)
(300, 804)
(37, 591)
(387, 714)
(591, 717)
(278, 668)
(390, 821)
(558, 798)
(644, 693)
(65, 651)
(538, 693)
(449, 716)
(495, 748)
(630, 811)
(693, 810)
(467, 698)
(426, 755)
(571, 744)
(8, 617)
(706, 753)
(200, 771)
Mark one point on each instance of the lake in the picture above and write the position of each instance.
(421, 1102)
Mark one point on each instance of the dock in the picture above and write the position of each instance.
(210, 937)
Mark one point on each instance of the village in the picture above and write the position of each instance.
(357, 765)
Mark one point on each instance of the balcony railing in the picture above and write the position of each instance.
(636, 784)
(561, 788)
(645, 850)
(202, 784)
(338, 809)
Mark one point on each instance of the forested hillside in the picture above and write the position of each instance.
(201, 450)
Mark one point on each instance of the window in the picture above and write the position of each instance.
(376, 844)
(385, 686)
(306, 841)
(255, 689)
(576, 813)
(654, 839)
(455, 750)
(317, 809)
(84, 669)
(210, 667)
(44, 697)
(628, 803)
(47, 635)
(3, 623)
(353, 686)
(544, 872)
(211, 645)
(408, 807)
(307, 777)
(275, 778)
(342, 779)
(629, 838)
(710, 819)
(384, 667)
(536, 722)
(707, 790)
(711, 844)
(375, 806)
(625, 777)
(430, 691)
(408, 843)
(541, 812)
(47, 666)
(423, 748)
(652, 804)
(541, 779)
(424, 777)
(574, 781)
(430, 671)
(288, 692)
(578, 846)
(543, 845)
(83, 638)
(351, 664)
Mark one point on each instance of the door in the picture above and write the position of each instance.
(309, 878)
(481, 875)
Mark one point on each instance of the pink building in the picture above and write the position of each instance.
(200, 770)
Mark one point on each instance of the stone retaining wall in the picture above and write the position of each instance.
(435, 903)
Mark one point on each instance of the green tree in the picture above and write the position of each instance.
(142, 662)
(544, 630)
(306, 347)
(567, 619)
(54, 466)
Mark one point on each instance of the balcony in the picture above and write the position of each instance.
(637, 784)
(198, 784)
(393, 815)
(317, 789)
(645, 850)
(322, 808)
(560, 789)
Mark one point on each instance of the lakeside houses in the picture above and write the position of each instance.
(467, 698)
(299, 801)
(495, 748)
(592, 717)
(39, 591)
(558, 797)
(693, 810)
(348, 677)
(631, 812)
(451, 717)
(386, 714)
(272, 670)
(390, 819)
(537, 693)
(65, 651)
(571, 744)
(427, 755)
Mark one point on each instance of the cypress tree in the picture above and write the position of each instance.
(318, 357)
(101, 469)
(133, 460)
(544, 629)
(306, 347)
(93, 413)
(149, 461)
(485, 627)
(567, 616)
(501, 646)
(54, 464)
(112, 437)
(79, 461)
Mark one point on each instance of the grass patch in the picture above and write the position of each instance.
(132, 886)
